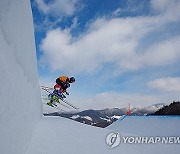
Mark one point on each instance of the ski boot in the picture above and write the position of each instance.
(50, 104)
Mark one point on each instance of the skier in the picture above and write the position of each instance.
(62, 83)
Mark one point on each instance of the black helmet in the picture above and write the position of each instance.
(71, 79)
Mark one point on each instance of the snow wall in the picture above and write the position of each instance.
(148, 125)
(20, 102)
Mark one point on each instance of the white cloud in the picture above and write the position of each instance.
(169, 84)
(114, 42)
(58, 7)
(169, 9)
(163, 53)
(47, 24)
(119, 100)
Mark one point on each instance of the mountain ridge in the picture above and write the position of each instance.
(105, 117)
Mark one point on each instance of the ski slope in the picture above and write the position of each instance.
(20, 102)
(148, 125)
(59, 135)
(23, 129)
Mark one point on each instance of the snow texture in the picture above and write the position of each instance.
(75, 116)
(23, 130)
(148, 125)
(87, 117)
(19, 88)
(59, 135)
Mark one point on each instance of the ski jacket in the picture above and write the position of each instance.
(57, 87)
(63, 82)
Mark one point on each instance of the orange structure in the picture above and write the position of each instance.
(129, 110)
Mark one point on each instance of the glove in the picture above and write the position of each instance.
(57, 88)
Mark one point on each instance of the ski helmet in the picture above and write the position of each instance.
(72, 79)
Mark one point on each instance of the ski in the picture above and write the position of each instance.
(59, 108)
(63, 105)
(56, 107)
(47, 99)
(47, 89)
(68, 103)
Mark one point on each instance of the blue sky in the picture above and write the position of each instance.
(120, 51)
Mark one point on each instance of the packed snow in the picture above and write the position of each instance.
(23, 128)
(20, 100)
(105, 119)
(148, 125)
(75, 116)
(87, 117)
(116, 117)
(59, 135)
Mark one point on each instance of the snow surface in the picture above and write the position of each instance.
(148, 125)
(117, 117)
(87, 117)
(75, 116)
(24, 130)
(105, 119)
(20, 102)
(60, 135)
